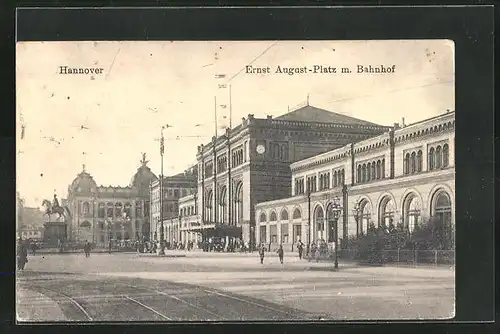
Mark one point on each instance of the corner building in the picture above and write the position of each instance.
(175, 188)
(250, 164)
(103, 213)
(404, 176)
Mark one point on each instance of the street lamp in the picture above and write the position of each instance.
(355, 212)
(308, 194)
(108, 228)
(93, 219)
(252, 238)
(336, 210)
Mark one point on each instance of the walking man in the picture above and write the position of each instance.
(300, 248)
(262, 251)
(280, 253)
(86, 248)
(22, 254)
(109, 246)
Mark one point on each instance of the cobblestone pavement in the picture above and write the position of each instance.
(208, 286)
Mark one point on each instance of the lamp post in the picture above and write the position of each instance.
(108, 228)
(162, 234)
(308, 194)
(336, 210)
(252, 238)
(355, 212)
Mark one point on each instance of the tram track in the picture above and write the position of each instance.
(106, 299)
(65, 296)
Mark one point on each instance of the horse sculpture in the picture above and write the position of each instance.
(62, 211)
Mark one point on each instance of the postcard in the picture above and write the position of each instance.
(235, 180)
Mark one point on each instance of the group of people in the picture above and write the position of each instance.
(263, 249)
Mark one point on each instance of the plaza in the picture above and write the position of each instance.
(229, 287)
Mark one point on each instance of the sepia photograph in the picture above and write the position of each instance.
(228, 181)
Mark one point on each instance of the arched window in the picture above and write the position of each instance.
(284, 215)
(238, 208)
(85, 224)
(208, 207)
(263, 217)
(413, 163)
(378, 170)
(368, 171)
(101, 210)
(446, 155)
(109, 209)
(413, 209)
(297, 214)
(431, 158)
(335, 180)
(442, 214)
(358, 176)
(363, 175)
(273, 217)
(118, 210)
(364, 217)
(374, 175)
(86, 208)
(342, 177)
(387, 209)
(382, 169)
(319, 223)
(406, 164)
(419, 161)
(438, 157)
(222, 205)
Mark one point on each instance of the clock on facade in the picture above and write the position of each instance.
(261, 149)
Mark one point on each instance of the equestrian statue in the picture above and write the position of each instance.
(55, 208)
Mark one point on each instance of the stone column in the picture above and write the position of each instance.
(278, 232)
(132, 223)
(257, 234)
(268, 234)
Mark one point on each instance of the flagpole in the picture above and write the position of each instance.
(162, 227)
(215, 114)
(214, 168)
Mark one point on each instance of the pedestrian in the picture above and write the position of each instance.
(300, 248)
(33, 248)
(22, 254)
(262, 251)
(317, 254)
(109, 246)
(280, 253)
(86, 248)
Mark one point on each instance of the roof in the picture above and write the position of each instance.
(312, 114)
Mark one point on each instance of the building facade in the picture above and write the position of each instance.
(251, 164)
(103, 213)
(174, 188)
(403, 176)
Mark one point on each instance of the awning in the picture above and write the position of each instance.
(219, 230)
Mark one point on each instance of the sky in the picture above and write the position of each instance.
(107, 120)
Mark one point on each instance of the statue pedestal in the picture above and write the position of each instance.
(54, 231)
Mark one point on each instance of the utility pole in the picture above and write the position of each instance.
(162, 233)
